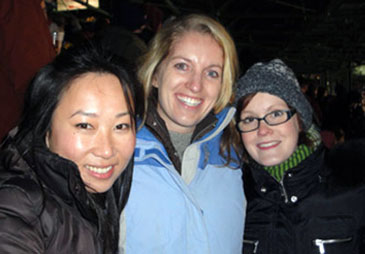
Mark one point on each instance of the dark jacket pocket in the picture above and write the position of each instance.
(333, 234)
(326, 245)
(250, 246)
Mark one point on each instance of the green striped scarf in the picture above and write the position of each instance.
(300, 154)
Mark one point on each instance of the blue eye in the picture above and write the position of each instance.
(213, 74)
(181, 66)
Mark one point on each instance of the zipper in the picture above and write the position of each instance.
(284, 190)
(204, 131)
(255, 243)
(320, 243)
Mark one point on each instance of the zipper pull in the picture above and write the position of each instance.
(320, 244)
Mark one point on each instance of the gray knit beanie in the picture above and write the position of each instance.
(277, 79)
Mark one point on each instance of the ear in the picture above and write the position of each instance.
(154, 81)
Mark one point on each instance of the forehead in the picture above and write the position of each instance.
(194, 38)
(93, 81)
(95, 89)
(264, 101)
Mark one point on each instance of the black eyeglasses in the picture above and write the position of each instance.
(273, 118)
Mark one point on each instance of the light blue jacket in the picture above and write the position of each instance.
(201, 211)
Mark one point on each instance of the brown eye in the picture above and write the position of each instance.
(83, 126)
(277, 113)
(123, 126)
(248, 120)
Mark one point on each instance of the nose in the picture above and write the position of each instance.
(264, 129)
(104, 145)
(195, 82)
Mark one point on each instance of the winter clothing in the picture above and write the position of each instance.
(277, 79)
(45, 208)
(201, 210)
(300, 154)
(318, 206)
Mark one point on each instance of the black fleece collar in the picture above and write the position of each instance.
(158, 127)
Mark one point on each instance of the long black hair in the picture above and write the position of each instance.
(42, 98)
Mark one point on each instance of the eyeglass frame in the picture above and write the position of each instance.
(289, 114)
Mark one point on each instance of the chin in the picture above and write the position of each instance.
(96, 189)
(271, 162)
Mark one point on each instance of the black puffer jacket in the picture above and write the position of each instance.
(319, 207)
(44, 207)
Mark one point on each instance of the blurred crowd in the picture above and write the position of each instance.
(124, 29)
(339, 113)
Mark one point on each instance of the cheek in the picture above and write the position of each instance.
(67, 145)
(247, 140)
(292, 136)
(295, 129)
(217, 90)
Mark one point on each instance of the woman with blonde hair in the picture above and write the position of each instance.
(187, 195)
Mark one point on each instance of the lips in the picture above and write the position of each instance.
(191, 102)
(268, 145)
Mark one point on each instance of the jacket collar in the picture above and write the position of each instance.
(63, 177)
(297, 182)
(158, 128)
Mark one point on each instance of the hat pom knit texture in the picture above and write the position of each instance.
(276, 78)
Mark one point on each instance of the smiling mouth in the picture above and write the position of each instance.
(99, 170)
(268, 145)
(189, 101)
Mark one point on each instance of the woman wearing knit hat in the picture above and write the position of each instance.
(301, 198)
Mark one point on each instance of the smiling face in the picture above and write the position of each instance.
(269, 145)
(189, 81)
(92, 127)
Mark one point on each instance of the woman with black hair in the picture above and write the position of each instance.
(66, 170)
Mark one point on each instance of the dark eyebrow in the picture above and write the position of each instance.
(80, 112)
(122, 114)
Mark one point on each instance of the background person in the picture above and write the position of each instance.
(121, 37)
(187, 194)
(300, 199)
(24, 49)
(65, 173)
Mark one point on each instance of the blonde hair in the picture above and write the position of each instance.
(161, 44)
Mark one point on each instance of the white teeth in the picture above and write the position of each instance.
(268, 144)
(189, 101)
(99, 170)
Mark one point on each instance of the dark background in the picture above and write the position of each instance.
(319, 39)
